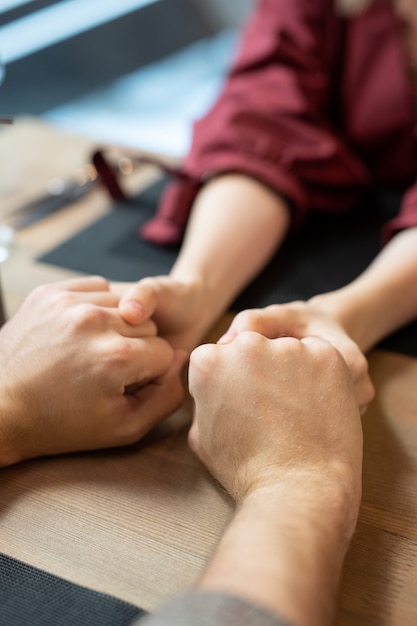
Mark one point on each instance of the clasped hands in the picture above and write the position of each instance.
(291, 361)
(76, 376)
(172, 304)
(85, 368)
(277, 400)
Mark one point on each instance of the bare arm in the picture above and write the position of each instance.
(236, 226)
(383, 298)
(284, 551)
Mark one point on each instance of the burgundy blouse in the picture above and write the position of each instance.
(317, 107)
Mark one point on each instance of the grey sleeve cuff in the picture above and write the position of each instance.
(203, 608)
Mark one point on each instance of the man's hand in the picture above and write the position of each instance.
(76, 376)
(302, 319)
(276, 422)
(268, 409)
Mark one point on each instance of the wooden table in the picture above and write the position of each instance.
(140, 523)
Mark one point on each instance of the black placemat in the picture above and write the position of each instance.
(329, 252)
(31, 597)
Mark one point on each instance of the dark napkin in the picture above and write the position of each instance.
(31, 597)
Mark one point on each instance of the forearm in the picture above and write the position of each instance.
(383, 298)
(235, 228)
(284, 551)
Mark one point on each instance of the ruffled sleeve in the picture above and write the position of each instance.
(274, 120)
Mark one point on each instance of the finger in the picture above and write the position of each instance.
(272, 322)
(138, 302)
(85, 283)
(365, 393)
(317, 341)
(245, 320)
(322, 346)
(115, 322)
(146, 329)
(96, 318)
(362, 386)
(356, 363)
(149, 359)
(154, 402)
(204, 362)
(120, 287)
(100, 298)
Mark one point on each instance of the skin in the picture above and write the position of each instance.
(76, 376)
(293, 468)
(213, 267)
(217, 260)
(301, 319)
(350, 318)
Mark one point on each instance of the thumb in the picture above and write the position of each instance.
(138, 302)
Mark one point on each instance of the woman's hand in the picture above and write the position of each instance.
(302, 319)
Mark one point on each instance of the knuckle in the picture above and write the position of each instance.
(120, 352)
(248, 347)
(370, 391)
(43, 292)
(55, 297)
(248, 341)
(86, 315)
(114, 358)
(358, 364)
(328, 349)
(362, 365)
(327, 353)
(204, 363)
(204, 357)
(248, 317)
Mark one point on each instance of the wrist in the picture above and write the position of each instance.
(285, 547)
(204, 303)
(348, 308)
(328, 500)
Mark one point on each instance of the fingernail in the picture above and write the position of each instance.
(133, 309)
